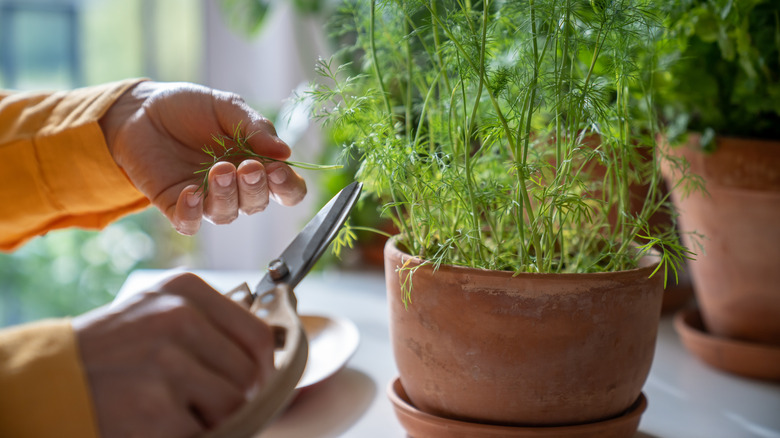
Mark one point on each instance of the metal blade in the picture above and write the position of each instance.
(306, 248)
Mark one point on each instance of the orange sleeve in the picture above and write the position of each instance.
(55, 172)
(55, 167)
(43, 389)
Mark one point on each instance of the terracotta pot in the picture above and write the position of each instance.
(736, 272)
(528, 349)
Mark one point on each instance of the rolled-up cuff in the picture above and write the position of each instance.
(43, 388)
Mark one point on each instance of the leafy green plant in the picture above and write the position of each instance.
(249, 16)
(504, 134)
(723, 74)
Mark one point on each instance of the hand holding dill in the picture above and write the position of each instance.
(236, 148)
(156, 134)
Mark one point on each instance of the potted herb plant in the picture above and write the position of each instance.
(720, 97)
(503, 138)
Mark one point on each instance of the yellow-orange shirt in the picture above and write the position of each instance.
(55, 172)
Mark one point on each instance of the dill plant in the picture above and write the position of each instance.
(504, 135)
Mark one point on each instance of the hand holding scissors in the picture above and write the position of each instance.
(273, 301)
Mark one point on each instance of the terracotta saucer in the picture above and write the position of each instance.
(743, 358)
(419, 424)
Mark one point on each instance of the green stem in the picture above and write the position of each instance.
(437, 42)
(499, 113)
(370, 230)
(388, 108)
(375, 61)
(525, 200)
(409, 80)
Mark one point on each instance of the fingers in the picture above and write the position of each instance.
(232, 191)
(214, 349)
(251, 333)
(213, 398)
(189, 210)
(221, 203)
(252, 187)
(287, 187)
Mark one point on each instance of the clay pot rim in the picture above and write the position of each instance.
(716, 167)
(404, 407)
(729, 140)
(457, 269)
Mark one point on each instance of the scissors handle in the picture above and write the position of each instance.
(277, 308)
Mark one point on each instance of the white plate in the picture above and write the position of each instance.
(332, 342)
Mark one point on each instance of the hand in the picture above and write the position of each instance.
(155, 133)
(173, 361)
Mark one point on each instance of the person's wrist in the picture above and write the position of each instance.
(122, 110)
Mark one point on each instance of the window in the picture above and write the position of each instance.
(39, 45)
(62, 44)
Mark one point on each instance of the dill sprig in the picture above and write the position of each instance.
(235, 148)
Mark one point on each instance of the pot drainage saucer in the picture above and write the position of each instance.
(743, 358)
(419, 424)
(332, 342)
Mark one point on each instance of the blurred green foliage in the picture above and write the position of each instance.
(68, 272)
(249, 16)
(723, 68)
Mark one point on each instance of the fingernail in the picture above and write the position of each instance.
(278, 176)
(193, 199)
(252, 178)
(225, 179)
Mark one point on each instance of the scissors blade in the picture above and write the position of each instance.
(306, 248)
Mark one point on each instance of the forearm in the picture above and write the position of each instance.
(55, 168)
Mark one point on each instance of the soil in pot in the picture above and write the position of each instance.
(522, 350)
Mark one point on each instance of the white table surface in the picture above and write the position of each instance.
(687, 399)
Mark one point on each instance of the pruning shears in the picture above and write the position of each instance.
(273, 301)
